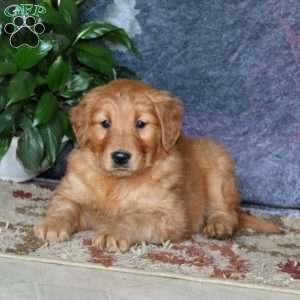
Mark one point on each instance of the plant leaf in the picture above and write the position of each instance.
(72, 101)
(78, 83)
(79, 2)
(23, 121)
(46, 108)
(119, 36)
(114, 34)
(64, 120)
(51, 16)
(96, 50)
(68, 95)
(101, 64)
(3, 97)
(7, 68)
(7, 119)
(98, 78)
(40, 80)
(58, 74)
(92, 30)
(6, 122)
(21, 86)
(6, 50)
(31, 148)
(56, 19)
(59, 42)
(4, 145)
(68, 11)
(52, 134)
(27, 57)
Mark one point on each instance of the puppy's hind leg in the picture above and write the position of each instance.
(223, 201)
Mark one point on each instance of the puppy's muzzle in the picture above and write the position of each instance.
(120, 158)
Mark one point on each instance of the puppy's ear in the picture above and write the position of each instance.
(79, 123)
(169, 112)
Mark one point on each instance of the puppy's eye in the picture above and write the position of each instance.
(105, 124)
(140, 124)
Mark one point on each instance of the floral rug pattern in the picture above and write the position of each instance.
(248, 258)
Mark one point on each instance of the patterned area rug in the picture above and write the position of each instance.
(248, 258)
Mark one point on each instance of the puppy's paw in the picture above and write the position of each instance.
(219, 230)
(110, 243)
(53, 230)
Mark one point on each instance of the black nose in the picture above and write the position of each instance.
(120, 157)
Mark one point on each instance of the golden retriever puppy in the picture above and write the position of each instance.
(135, 177)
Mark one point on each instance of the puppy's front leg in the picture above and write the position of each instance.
(61, 220)
(126, 230)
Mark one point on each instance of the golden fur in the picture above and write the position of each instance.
(172, 186)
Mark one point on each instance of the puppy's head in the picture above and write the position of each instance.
(127, 125)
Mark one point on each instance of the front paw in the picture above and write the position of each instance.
(110, 242)
(53, 230)
(219, 229)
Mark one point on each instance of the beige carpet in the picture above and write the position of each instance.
(249, 258)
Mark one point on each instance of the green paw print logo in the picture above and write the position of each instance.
(25, 27)
(24, 31)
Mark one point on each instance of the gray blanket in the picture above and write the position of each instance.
(236, 65)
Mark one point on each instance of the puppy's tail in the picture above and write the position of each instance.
(259, 225)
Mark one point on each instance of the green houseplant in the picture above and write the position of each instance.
(40, 82)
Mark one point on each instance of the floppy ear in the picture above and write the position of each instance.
(169, 113)
(79, 123)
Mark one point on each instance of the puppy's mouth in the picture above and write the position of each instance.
(121, 168)
(121, 171)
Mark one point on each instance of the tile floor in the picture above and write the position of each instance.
(27, 280)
